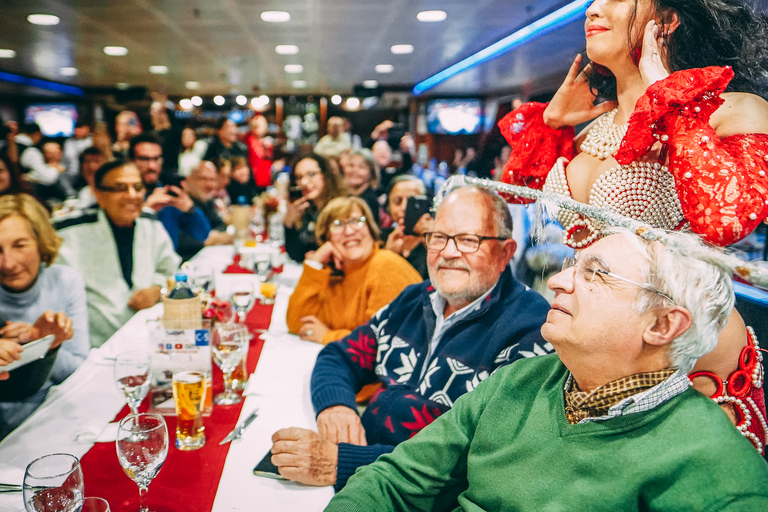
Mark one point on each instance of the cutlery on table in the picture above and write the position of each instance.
(238, 430)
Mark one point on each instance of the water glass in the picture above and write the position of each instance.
(53, 483)
(132, 376)
(262, 264)
(242, 296)
(95, 505)
(142, 446)
(189, 389)
(229, 347)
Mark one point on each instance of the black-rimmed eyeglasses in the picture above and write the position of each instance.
(465, 242)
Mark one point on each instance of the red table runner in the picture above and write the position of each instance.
(188, 480)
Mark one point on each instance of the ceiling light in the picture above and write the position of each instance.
(353, 103)
(186, 104)
(116, 51)
(293, 68)
(264, 99)
(241, 100)
(275, 16)
(192, 85)
(68, 71)
(384, 68)
(260, 102)
(46, 20)
(158, 70)
(197, 101)
(370, 84)
(7, 54)
(287, 49)
(336, 99)
(431, 16)
(538, 28)
(402, 49)
(299, 84)
(219, 100)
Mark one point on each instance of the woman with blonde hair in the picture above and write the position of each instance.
(348, 278)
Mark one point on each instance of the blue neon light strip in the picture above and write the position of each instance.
(538, 28)
(41, 84)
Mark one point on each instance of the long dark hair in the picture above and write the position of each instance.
(711, 33)
(17, 185)
(333, 182)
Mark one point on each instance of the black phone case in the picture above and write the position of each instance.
(415, 207)
(266, 469)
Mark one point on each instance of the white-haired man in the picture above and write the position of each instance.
(609, 423)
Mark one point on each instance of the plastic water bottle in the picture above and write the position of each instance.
(181, 289)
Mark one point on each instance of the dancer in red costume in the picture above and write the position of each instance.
(681, 142)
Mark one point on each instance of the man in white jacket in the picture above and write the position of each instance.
(124, 253)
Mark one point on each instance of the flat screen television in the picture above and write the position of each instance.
(55, 119)
(455, 116)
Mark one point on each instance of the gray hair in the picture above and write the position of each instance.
(696, 278)
(502, 219)
(367, 156)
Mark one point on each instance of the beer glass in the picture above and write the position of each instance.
(189, 389)
(142, 446)
(53, 483)
(230, 344)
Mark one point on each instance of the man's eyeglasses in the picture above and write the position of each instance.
(589, 274)
(338, 226)
(142, 158)
(122, 188)
(466, 243)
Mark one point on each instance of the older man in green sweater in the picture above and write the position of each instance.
(609, 423)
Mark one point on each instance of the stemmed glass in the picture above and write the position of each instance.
(132, 376)
(201, 278)
(142, 446)
(229, 347)
(242, 298)
(53, 483)
(262, 265)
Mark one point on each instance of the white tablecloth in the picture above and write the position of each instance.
(77, 411)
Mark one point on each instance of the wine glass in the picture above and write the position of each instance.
(53, 483)
(242, 298)
(229, 347)
(132, 376)
(262, 265)
(201, 278)
(142, 446)
(95, 505)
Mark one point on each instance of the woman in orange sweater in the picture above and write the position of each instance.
(349, 278)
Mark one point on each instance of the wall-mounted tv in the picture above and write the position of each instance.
(455, 116)
(55, 119)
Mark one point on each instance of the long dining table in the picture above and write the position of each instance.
(78, 417)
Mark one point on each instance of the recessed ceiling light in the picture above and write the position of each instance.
(370, 84)
(122, 85)
(336, 99)
(287, 49)
(7, 54)
(158, 70)
(186, 104)
(431, 16)
(192, 85)
(197, 101)
(293, 68)
(241, 100)
(299, 84)
(384, 68)
(116, 51)
(275, 16)
(68, 71)
(219, 100)
(353, 103)
(260, 101)
(402, 49)
(46, 20)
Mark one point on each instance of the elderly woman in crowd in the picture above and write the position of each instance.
(410, 247)
(31, 287)
(362, 178)
(348, 278)
(320, 182)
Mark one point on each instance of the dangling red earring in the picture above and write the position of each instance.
(635, 55)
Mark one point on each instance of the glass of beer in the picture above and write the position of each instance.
(189, 394)
(268, 291)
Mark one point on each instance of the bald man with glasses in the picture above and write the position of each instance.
(435, 342)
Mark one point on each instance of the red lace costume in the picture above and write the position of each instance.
(717, 187)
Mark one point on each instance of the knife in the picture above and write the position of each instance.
(238, 430)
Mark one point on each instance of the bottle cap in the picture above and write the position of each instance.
(180, 277)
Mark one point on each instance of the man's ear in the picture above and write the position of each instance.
(667, 324)
(508, 248)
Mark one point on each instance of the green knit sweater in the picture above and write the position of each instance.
(508, 446)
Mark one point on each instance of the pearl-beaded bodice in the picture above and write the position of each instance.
(641, 190)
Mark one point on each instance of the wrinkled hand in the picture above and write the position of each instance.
(294, 211)
(327, 253)
(654, 53)
(573, 103)
(10, 351)
(158, 199)
(312, 329)
(58, 324)
(181, 200)
(340, 424)
(145, 298)
(303, 456)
